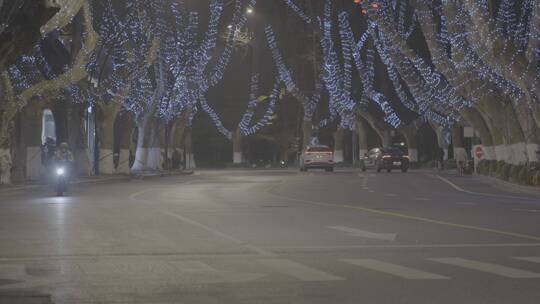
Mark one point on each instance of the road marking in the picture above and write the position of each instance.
(529, 259)
(371, 191)
(219, 233)
(390, 194)
(458, 188)
(527, 210)
(500, 270)
(422, 199)
(299, 271)
(406, 216)
(393, 269)
(365, 234)
(12, 270)
(466, 204)
(279, 249)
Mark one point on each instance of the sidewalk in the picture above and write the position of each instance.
(96, 179)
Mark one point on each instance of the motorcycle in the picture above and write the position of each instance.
(60, 179)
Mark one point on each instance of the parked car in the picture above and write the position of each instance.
(385, 158)
(317, 157)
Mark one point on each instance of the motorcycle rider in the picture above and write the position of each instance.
(63, 156)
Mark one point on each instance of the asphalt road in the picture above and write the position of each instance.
(272, 237)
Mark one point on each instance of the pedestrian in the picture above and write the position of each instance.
(440, 159)
(461, 160)
(48, 151)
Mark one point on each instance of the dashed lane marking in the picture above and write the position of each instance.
(253, 248)
(299, 271)
(407, 216)
(396, 270)
(466, 204)
(527, 210)
(500, 270)
(529, 259)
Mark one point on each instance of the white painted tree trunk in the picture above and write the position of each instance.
(33, 163)
(123, 162)
(237, 157)
(517, 154)
(106, 161)
(148, 153)
(489, 153)
(338, 156)
(413, 155)
(5, 167)
(190, 161)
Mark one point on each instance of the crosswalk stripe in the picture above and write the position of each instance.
(504, 271)
(529, 259)
(299, 271)
(393, 269)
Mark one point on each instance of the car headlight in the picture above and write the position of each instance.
(60, 171)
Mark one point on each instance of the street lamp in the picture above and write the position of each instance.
(249, 10)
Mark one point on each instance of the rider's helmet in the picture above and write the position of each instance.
(64, 146)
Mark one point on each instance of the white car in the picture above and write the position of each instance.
(317, 157)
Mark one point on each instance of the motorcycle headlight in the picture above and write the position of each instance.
(60, 171)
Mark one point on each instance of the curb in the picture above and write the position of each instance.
(99, 180)
(508, 186)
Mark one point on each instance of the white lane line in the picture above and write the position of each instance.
(466, 204)
(299, 271)
(12, 270)
(500, 270)
(422, 199)
(220, 234)
(390, 194)
(529, 259)
(365, 234)
(393, 269)
(527, 210)
(326, 248)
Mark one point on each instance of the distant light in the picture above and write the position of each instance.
(249, 10)
(229, 26)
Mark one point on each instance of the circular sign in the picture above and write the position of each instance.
(479, 152)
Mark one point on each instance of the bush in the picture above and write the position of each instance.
(504, 171)
(534, 177)
(515, 174)
(450, 164)
(492, 168)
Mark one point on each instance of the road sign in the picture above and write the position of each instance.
(479, 152)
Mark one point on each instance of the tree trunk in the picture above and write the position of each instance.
(126, 128)
(31, 135)
(148, 154)
(107, 117)
(458, 140)
(188, 148)
(338, 145)
(6, 123)
(362, 130)
(237, 147)
(307, 131)
(410, 132)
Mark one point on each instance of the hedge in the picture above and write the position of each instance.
(520, 174)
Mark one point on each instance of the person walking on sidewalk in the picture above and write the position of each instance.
(440, 159)
(461, 161)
